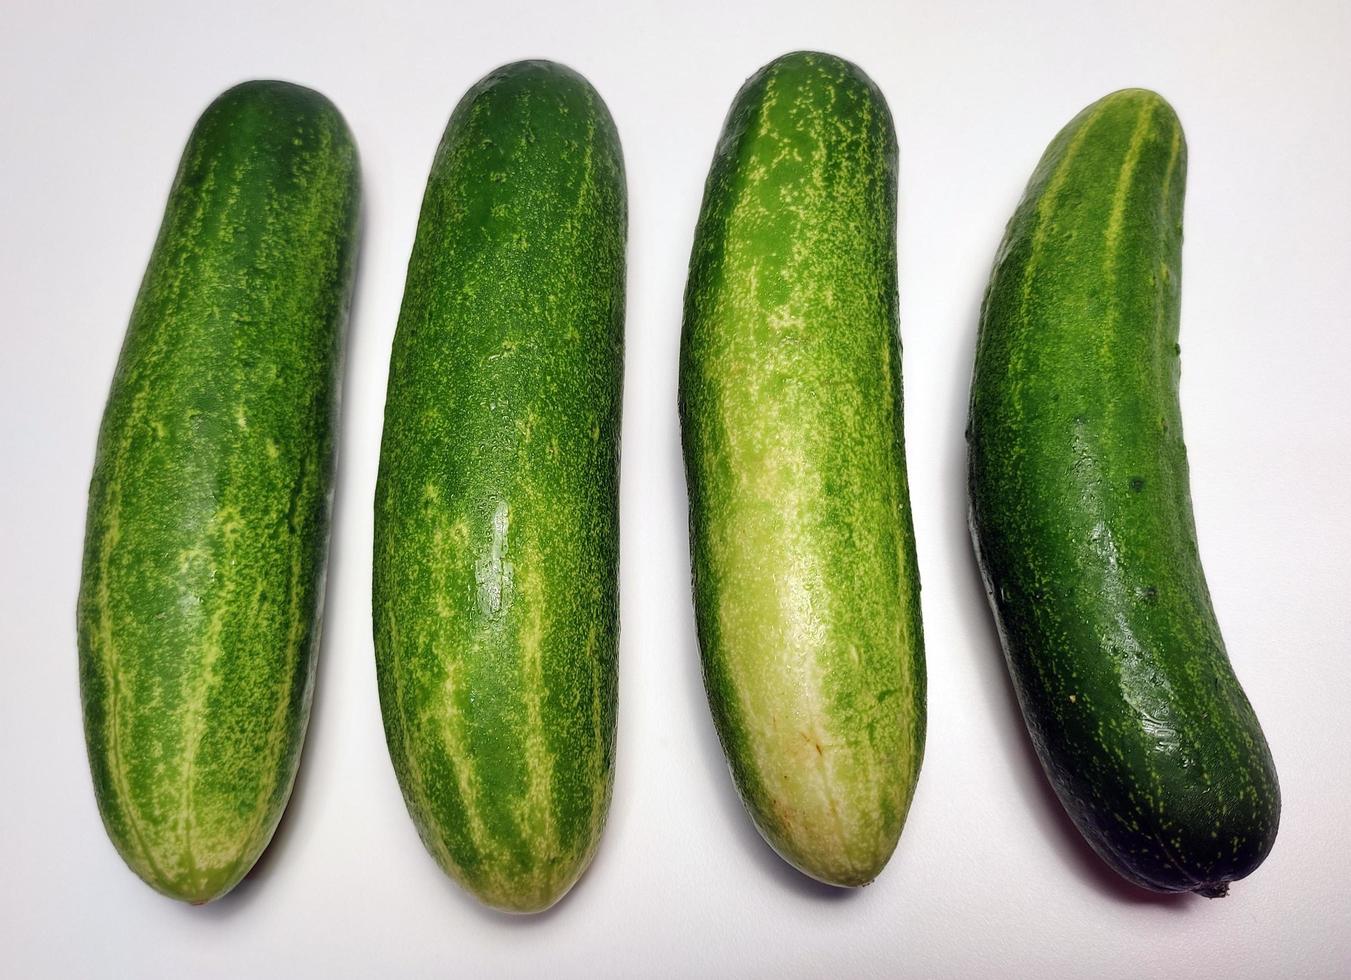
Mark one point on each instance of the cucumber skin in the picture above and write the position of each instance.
(496, 520)
(207, 533)
(1082, 521)
(790, 391)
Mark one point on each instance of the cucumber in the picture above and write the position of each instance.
(806, 590)
(1082, 519)
(496, 512)
(207, 533)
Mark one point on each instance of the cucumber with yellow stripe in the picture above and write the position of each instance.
(1082, 519)
(207, 530)
(496, 513)
(805, 583)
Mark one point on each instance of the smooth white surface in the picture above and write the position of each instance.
(96, 101)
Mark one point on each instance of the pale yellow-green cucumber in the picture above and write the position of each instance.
(805, 584)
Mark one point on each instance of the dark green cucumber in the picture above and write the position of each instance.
(207, 533)
(805, 584)
(496, 512)
(1082, 520)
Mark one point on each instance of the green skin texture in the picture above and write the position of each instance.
(207, 534)
(806, 590)
(1082, 520)
(496, 514)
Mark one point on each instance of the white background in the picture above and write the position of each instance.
(96, 101)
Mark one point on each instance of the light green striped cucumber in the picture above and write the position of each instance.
(496, 512)
(207, 533)
(1082, 519)
(805, 585)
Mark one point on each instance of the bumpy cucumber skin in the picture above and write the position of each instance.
(1082, 520)
(496, 520)
(207, 533)
(805, 581)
